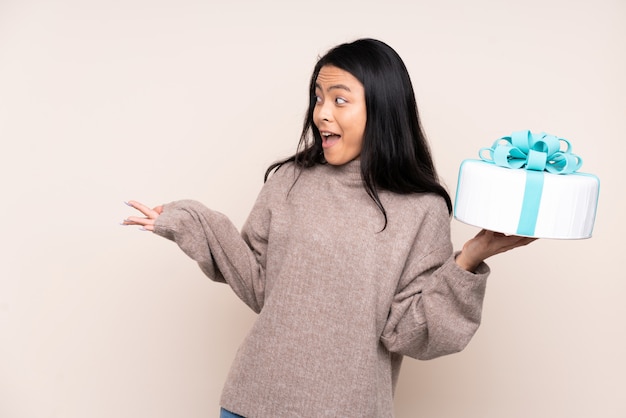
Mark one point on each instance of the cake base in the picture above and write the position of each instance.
(500, 199)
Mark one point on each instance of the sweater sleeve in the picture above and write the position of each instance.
(210, 238)
(437, 307)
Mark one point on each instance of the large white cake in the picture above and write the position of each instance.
(526, 202)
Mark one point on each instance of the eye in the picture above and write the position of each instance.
(317, 98)
(340, 100)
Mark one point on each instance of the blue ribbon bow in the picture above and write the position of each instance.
(535, 153)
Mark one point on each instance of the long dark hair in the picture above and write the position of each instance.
(395, 155)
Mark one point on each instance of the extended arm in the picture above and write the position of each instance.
(209, 238)
(438, 304)
(438, 311)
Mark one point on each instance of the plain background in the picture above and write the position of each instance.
(107, 100)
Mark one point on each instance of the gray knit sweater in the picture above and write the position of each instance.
(339, 301)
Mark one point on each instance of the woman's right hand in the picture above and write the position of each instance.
(146, 222)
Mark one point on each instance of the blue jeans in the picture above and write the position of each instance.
(227, 414)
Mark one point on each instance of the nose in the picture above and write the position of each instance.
(324, 112)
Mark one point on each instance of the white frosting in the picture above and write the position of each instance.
(491, 197)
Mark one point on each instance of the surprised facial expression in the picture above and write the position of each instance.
(340, 114)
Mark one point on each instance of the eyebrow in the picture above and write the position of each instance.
(334, 86)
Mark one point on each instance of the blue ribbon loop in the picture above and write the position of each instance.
(535, 153)
(538, 152)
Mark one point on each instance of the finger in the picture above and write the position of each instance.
(516, 243)
(522, 240)
(143, 226)
(150, 213)
(526, 241)
(135, 220)
(159, 209)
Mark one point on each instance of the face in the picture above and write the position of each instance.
(339, 114)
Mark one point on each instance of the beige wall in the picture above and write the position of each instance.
(103, 101)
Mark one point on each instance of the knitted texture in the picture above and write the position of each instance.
(340, 301)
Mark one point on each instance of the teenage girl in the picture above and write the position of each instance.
(346, 255)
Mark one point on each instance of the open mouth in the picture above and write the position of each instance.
(329, 139)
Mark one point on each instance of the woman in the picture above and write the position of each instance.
(346, 255)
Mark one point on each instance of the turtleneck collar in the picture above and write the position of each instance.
(349, 173)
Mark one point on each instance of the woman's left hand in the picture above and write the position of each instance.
(485, 244)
